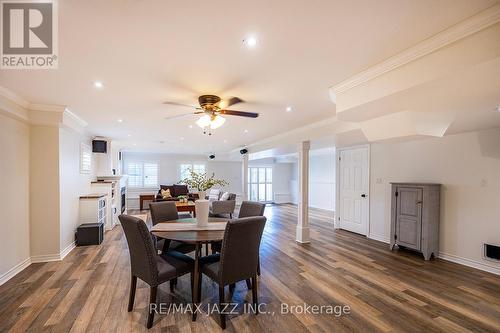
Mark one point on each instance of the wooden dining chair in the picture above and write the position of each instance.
(238, 259)
(167, 211)
(146, 264)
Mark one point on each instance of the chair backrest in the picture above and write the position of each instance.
(163, 211)
(251, 208)
(240, 249)
(232, 196)
(141, 248)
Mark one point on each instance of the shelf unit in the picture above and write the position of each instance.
(93, 209)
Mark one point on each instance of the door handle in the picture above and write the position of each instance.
(363, 195)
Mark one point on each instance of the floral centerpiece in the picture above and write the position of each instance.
(201, 182)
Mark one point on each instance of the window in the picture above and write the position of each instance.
(85, 158)
(142, 174)
(260, 183)
(184, 169)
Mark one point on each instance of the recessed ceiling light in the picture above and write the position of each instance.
(135, 144)
(190, 126)
(288, 108)
(246, 131)
(120, 120)
(250, 41)
(98, 84)
(129, 135)
(182, 138)
(225, 141)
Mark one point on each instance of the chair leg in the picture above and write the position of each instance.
(231, 216)
(221, 307)
(152, 300)
(200, 282)
(172, 285)
(254, 294)
(133, 285)
(258, 266)
(191, 276)
(249, 284)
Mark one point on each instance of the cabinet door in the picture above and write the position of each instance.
(409, 217)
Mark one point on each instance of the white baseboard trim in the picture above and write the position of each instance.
(14, 270)
(379, 238)
(36, 259)
(67, 250)
(45, 258)
(470, 263)
(54, 257)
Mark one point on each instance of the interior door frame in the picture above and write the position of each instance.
(337, 185)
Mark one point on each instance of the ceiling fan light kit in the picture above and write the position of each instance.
(213, 106)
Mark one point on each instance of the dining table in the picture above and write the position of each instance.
(186, 230)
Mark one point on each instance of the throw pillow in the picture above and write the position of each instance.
(224, 196)
(166, 194)
(213, 195)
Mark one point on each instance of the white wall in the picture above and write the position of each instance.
(73, 184)
(282, 174)
(229, 170)
(169, 172)
(44, 192)
(14, 196)
(468, 166)
(322, 180)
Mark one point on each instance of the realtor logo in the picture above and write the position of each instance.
(29, 34)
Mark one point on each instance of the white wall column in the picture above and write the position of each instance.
(303, 222)
(244, 177)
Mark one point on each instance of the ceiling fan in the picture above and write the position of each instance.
(213, 107)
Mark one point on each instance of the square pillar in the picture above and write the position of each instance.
(303, 213)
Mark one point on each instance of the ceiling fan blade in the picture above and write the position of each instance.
(179, 116)
(234, 100)
(179, 104)
(184, 115)
(239, 113)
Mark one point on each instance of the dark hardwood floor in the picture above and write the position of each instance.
(386, 291)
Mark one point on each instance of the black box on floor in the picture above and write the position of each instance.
(90, 234)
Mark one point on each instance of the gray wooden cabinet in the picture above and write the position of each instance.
(415, 217)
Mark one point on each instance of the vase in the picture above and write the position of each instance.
(202, 195)
(202, 209)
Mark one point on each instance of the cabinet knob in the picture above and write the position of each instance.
(363, 195)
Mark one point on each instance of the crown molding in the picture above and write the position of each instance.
(18, 108)
(456, 32)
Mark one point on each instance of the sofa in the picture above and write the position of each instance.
(176, 191)
(221, 208)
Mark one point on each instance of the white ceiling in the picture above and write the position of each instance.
(147, 52)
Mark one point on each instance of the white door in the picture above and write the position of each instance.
(354, 183)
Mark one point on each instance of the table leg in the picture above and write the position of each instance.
(196, 278)
(194, 212)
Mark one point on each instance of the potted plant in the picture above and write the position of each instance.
(202, 183)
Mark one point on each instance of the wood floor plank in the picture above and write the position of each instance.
(386, 291)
